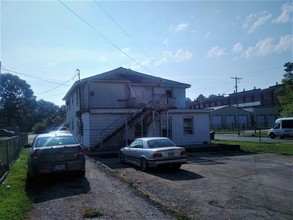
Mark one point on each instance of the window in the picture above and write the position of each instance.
(169, 93)
(136, 144)
(188, 125)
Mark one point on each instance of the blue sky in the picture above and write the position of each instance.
(202, 43)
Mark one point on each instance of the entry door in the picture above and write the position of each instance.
(217, 122)
(230, 122)
(243, 121)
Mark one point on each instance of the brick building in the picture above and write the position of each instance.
(261, 103)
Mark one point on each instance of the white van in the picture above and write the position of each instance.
(283, 128)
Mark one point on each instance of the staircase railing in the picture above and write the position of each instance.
(120, 122)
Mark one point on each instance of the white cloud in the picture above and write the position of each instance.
(137, 66)
(285, 43)
(169, 56)
(237, 48)
(179, 27)
(255, 20)
(166, 42)
(249, 52)
(267, 46)
(284, 17)
(216, 52)
(182, 56)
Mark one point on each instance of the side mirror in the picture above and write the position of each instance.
(27, 146)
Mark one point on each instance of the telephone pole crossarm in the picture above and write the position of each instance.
(237, 109)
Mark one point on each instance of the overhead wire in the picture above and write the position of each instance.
(125, 32)
(31, 76)
(39, 78)
(104, 37)
(50, 90)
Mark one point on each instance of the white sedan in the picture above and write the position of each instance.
(153, 152)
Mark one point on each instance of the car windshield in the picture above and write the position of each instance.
(55, 141)
(160, 143)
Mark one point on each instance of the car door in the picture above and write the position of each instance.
(135, 151)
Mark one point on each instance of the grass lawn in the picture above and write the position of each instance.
(14, 202)
(259, 147)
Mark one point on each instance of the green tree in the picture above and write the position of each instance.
(57, 117)
(17, 102)
(188, 102)
(45, 109)
(201, 97)
(285, 93)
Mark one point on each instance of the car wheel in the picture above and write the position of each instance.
(121, 157)
(143, 164)
(176, 166)
(272, 135)
(81, 173)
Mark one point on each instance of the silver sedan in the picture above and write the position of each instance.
(153, 152)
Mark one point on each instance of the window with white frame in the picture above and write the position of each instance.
(188, 125)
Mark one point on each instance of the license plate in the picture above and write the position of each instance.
(171, 154)
(60, 167)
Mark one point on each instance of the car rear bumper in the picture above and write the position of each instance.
(46, 168)
(157, 163)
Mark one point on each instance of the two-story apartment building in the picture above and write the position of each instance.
(113, 108)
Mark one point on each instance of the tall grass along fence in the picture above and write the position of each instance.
(9, 152)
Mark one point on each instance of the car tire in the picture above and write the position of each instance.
(81, 173)
(176, 166)
(272, 135)
(121, 157)
(144, 164)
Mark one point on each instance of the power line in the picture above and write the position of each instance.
(59, 84)
(125, 32)
(31, 76)
(62, 84)
(104, 37)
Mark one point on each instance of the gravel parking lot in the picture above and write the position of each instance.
(230, 185)
(220, 185)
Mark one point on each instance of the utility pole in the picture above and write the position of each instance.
(0, 81)
(237, 109)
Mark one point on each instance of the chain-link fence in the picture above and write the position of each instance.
(9, 151)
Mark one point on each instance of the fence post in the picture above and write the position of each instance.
(7, 155)
(259, 133)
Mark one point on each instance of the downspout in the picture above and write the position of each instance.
(131, 90)
(80, 129)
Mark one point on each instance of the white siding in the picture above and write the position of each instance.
(201, 129)
(179, 94)
(71, 108)
(108, 94)
(85, 139)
